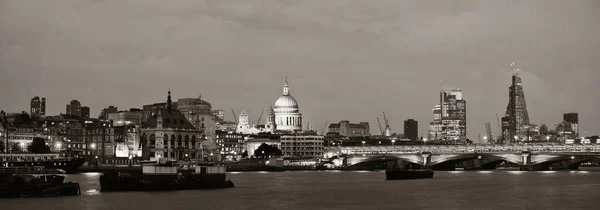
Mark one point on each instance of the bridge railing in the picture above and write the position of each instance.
(467, 149)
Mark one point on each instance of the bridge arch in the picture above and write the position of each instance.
(490, 161)
(409, 158)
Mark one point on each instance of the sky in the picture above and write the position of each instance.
(345, 60)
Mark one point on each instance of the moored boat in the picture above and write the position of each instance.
(400, 174)
(37, 183)
(166, 175)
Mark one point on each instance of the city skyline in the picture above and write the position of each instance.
(239, 56)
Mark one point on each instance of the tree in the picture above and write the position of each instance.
(38, 146)
(265, 150)
(245, 154)
(16, 148)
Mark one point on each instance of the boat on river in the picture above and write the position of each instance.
(34, 182)
(400, 174)
(167, 175)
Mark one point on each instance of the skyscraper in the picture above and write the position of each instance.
(449, 117)
(411, 129)
(74, 108)
(573, 120)
(515, 123)
(38, 107)
(85, 112)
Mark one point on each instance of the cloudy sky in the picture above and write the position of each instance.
(345, 59)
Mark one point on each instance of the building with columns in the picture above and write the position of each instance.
(286, 111)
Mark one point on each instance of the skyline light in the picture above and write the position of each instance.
(341, 68)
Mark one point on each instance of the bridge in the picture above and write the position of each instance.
(448, 157)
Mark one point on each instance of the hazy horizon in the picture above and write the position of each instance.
(344, 60)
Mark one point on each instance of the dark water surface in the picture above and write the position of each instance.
(348, 190)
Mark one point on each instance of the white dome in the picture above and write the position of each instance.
(286, 102)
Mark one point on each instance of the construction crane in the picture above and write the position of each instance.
(488, 129)
(234, 117)
(387, 125)
(261, 114)
(380, 129)
(324, 127)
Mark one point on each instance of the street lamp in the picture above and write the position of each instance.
(393, 142)
(516, 139)
(363, 142)
(484, 139)
(548, 139)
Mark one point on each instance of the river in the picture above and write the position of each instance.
(347, 190)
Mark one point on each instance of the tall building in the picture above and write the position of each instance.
(287, 114)
(106, 111)
(573, 119)
(515, 123)
(85, 112)
(345, 128)
(411, 129)
(38, 107)
(449, 117)
(74, 108)
(199, 112)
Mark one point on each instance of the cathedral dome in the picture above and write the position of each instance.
(286, 102)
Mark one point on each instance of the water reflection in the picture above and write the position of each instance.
(92, 192)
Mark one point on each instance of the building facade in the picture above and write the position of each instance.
(168, 133)
(74, 108)
(38, 107)
(303, 146)
(573, 120)
(121, 118)
(411, 129)
(287, 113)
(230, 144)
(199, 112)
(106, 111)
(449, 117)
(85, 112)
(345, 128)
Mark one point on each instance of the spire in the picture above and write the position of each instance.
(169, 107)
(515, 70)
(286, 88)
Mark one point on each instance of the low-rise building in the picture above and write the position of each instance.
(345, 128)
(230, 144)
(302, 146)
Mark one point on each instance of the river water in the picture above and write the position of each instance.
(347, 190)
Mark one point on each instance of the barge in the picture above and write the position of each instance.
(400, 174)
(34, 182)
(166, 175)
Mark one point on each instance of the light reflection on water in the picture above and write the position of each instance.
(347, 190)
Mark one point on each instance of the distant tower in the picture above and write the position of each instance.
(516, 119)
(270, 125)
(243, 126)
(169, 105)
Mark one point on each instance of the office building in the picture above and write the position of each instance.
(411, 129)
